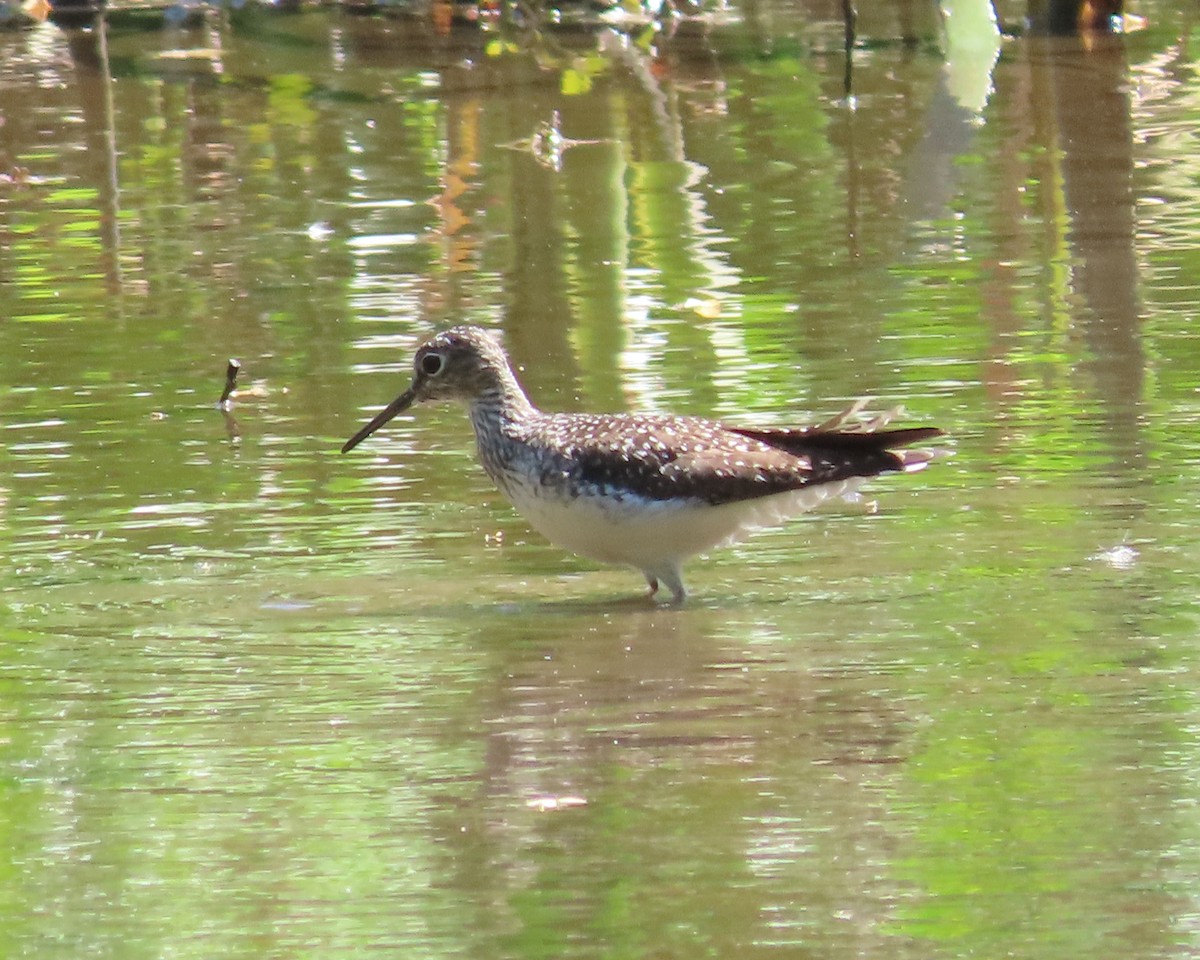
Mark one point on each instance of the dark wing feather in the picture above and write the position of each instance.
(838, 454)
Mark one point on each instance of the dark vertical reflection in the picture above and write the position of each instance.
(89, 53)
(1089, 89)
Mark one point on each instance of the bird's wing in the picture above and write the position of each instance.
(665, 457)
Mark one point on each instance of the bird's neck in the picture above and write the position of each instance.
(500, 417)
(500, 404)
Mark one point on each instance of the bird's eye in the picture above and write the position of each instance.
(432, 364)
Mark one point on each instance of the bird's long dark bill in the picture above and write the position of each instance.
(401, 403)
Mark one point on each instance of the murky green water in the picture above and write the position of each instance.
(259, 699)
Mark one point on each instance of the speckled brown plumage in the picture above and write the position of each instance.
(647, 490)
(667, 457)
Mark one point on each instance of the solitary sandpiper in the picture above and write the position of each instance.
(644, 490)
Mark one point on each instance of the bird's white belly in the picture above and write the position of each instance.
(644, 532)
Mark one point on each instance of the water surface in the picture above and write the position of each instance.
(261, 699)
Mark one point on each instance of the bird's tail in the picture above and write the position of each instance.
(858, 446)
(849, 423)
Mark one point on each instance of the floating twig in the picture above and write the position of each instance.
(231, 375)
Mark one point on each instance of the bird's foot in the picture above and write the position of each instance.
(673, 583)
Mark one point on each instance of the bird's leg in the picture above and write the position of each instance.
(672, 578)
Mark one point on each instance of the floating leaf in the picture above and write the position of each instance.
(497, 48)
(575, 82)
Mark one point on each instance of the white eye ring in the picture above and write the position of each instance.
(432, 364)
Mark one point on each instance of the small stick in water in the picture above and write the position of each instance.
(231, 375)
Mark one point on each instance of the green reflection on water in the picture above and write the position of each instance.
(259, 699)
